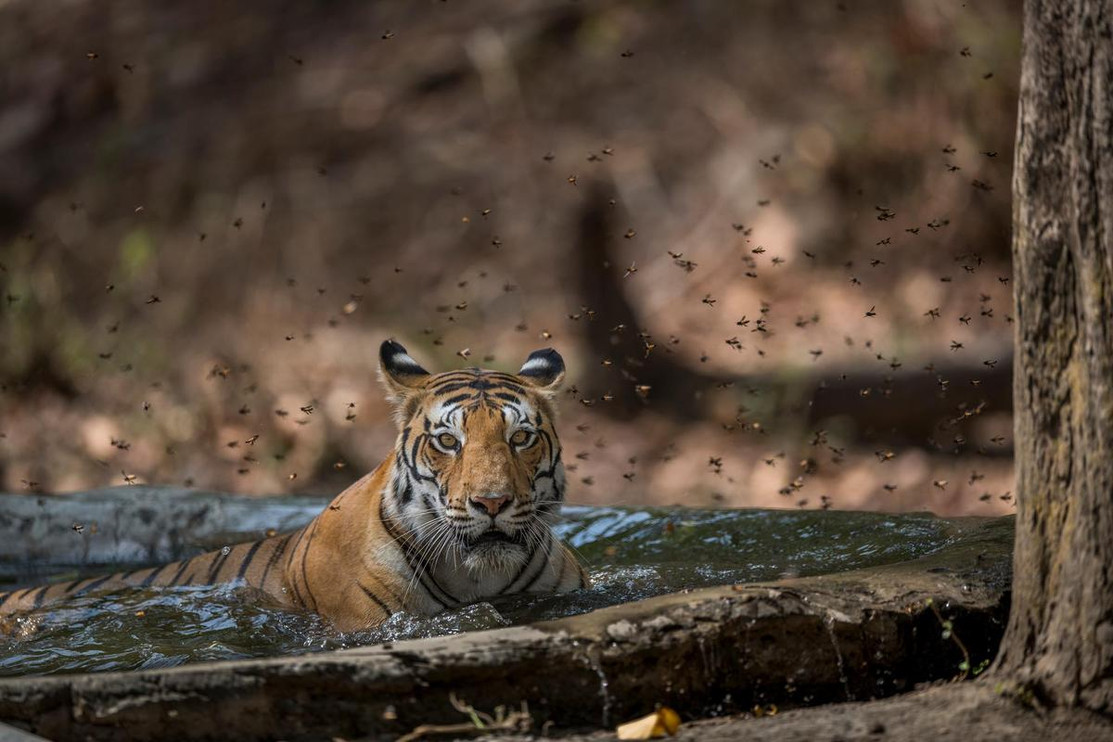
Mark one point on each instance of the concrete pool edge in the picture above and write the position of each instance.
(853, 635)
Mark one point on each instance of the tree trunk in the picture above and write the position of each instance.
(1059, 643)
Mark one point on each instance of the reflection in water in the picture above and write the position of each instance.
(631, 554)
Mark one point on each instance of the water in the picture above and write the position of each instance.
(630, 554)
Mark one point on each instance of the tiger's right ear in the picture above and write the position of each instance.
(402, 376)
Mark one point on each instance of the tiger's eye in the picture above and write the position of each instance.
(447, 440)
(520, 437)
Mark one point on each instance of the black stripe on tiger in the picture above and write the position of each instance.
(178, 575)
(376, 600)
(40, 594)
(91, 586)
(218, 562)
(155, 572)
(279, 550)
(421, 569)
(293, 583)
(454, 401)
(305, 555)
(522, 571)
(248, 559)
(71, 585)
(541, 568)
(563, 567)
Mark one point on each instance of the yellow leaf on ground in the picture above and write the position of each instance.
(661, 722)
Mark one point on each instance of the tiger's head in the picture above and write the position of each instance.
(478, 475)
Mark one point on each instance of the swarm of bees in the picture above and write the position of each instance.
(689, 323)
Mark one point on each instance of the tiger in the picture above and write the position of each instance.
(460, 511)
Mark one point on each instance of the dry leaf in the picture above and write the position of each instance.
(661, 722)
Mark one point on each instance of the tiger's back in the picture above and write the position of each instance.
(260, 564)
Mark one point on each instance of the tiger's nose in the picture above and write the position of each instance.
(493, 503)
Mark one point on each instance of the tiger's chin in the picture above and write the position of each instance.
(493, 553)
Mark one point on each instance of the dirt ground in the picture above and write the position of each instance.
(971, 712)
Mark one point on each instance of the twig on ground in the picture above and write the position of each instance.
(479, 722)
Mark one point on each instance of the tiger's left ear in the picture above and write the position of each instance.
(543, 370)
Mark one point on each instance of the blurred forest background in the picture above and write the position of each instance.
(770, 238)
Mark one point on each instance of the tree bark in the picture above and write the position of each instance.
(1059, 643)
